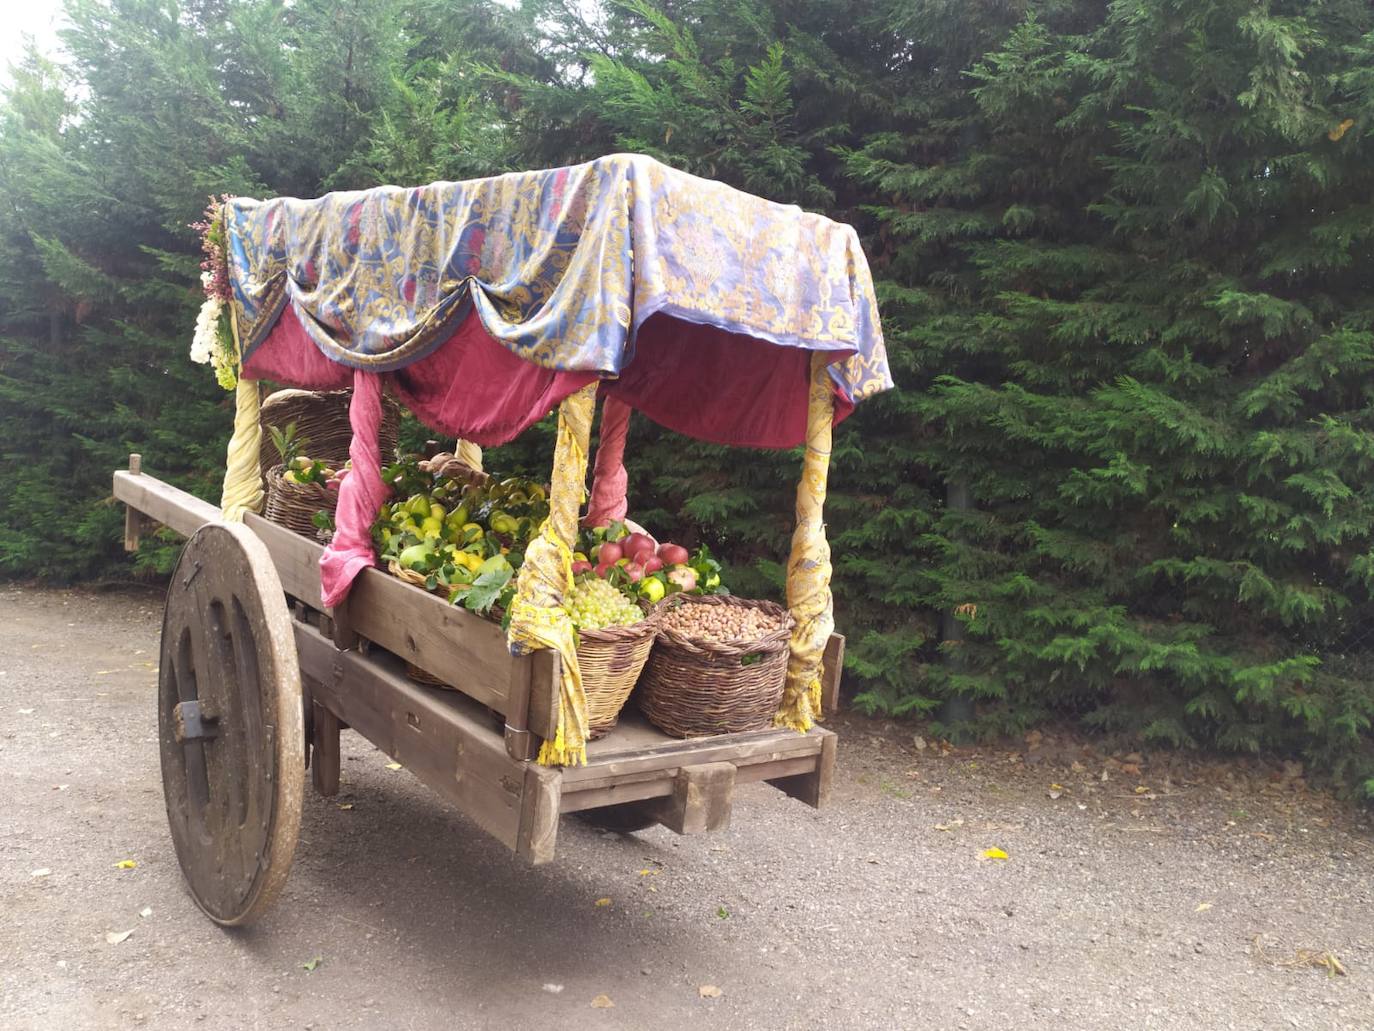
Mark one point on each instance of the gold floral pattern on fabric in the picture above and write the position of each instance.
(538, 619)
(562, 266)
(808, 565)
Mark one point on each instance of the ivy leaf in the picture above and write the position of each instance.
(486, 589)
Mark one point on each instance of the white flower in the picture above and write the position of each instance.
(206, 337)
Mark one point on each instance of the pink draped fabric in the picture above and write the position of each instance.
(697, 380)
(719, 386)
(474, 387)
(610, 480)
(360, 496)
(289, 356)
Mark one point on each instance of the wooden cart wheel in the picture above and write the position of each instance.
(231, 724)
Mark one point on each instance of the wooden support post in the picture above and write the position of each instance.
(134, 520)
(701, 800)
(520, 743)
(813, 788)
(341, 629)
(324, 765)
(832, 666)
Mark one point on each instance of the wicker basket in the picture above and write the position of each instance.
(293, 505)
(695, 688)
(611, 660)
(322, 418)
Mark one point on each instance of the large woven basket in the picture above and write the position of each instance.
(321, 417)
(611, 660)
(694, 688)
(293, 505)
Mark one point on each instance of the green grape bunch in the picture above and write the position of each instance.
(594, 604)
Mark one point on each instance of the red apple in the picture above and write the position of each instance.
(580, 567)
(652, 565)
(602, 569)
(635, 572)
(673, 554)
(643, 555)
(609, 553)
(637, 542)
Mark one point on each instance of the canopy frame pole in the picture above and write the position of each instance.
(538, 619)
(808, 565)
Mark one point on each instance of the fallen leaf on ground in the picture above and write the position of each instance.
(125, 864)
(1077, 767)
(345, 806)
(553, 989)
(42, 871)
(919, 742)
(603, 902)
(993, 853)
(393, 766)
(949, 826)
(146, 912)
(115, 937)
(60, 787)
(646, 872)
(1142, 790)
(709, 991)
(602, 1002)
(722, 912)
(309, 965)
(1202, 907)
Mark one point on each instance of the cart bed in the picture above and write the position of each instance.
(474, 744)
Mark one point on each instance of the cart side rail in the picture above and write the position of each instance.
(464, 650)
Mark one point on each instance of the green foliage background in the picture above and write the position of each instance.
(1126, 259)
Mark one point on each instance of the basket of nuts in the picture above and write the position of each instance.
(718, 666)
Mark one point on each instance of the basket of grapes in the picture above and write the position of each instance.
(614, 638)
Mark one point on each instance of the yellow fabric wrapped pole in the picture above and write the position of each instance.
(808, 566)
(537, 618)
(470, 455)
(242, 490)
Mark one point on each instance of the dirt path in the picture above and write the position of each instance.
(1115, 908)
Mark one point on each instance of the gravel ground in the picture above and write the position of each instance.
(1189, 896)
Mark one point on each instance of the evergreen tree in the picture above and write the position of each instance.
(1122, 253)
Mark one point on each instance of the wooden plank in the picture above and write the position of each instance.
(324, 740)
(740, 749)
(297, 559)
(173, 508)
(832, 668)
(701, 800)
(659, 783)
(813, 787)
(462, 649)
(442, 738)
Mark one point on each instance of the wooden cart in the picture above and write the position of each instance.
(257, 679)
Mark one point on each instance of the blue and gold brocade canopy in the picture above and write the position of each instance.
(562, 267)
